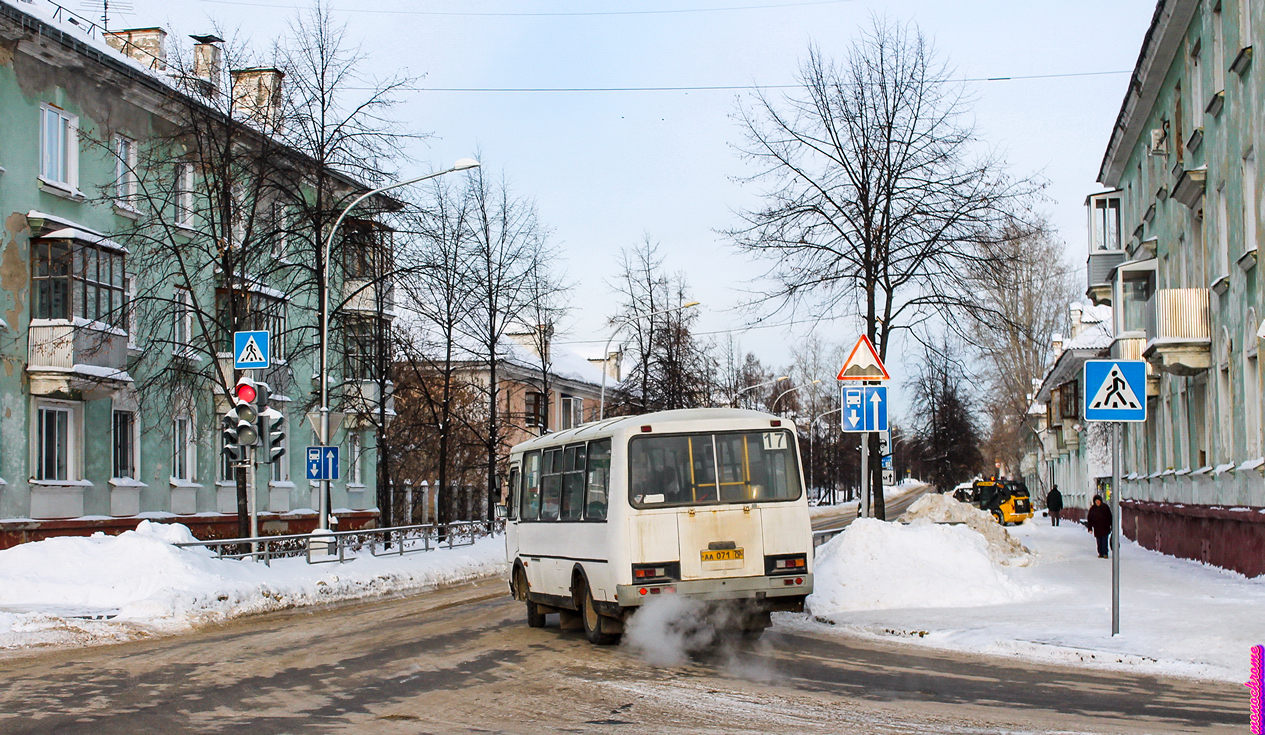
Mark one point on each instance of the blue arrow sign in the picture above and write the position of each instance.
(250, 350)
(322, 463)
(865, 408)
(1115, 390)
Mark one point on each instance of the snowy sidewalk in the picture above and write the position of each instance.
(77, 591)
(1178, 617)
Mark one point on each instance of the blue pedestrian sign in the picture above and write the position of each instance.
(865, 408)
(1115, 390)
(250, 350)
(322, 463)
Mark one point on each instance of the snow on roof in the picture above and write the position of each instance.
(81, 29)
(563, 362)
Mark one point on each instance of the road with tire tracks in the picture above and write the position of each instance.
(462, 659)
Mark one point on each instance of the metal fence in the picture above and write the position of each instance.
(320, 547)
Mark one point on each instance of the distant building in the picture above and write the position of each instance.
(1174, 243)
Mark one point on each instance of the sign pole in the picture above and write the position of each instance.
(865, 475)
(1115, 528)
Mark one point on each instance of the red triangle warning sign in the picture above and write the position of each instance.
(863, 363)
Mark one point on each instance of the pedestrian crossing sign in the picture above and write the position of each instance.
(250, 350)
(1115, 390)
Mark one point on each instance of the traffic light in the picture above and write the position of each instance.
(239, 423)
(271, 426)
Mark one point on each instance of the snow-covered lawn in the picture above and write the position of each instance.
(84, 590)
(946, 587)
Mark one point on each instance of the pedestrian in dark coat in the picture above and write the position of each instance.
(1054, 504)
(1099, 522)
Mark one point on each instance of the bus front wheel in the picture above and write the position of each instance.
(595, 626)
(535, 618)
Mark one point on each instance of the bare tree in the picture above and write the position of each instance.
(1027, 287)
(876, 203)
(947, 432)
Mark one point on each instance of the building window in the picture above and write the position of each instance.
(181, 320)
(361, 341)
(125, 183)
(124, 431)
(256, 311)
(183, 459)
(54, 450)
(1106, 225)
(534, 408)
(354, 453)
(184, 194)
(75, 279)
(366, 249)
(59, 147)
(572, 411)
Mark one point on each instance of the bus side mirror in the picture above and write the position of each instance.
(502, 511)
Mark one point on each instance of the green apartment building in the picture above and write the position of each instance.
(115, 308)
(1174, 242)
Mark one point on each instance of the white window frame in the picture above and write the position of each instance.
(125, 181)
(188, 448)
(72, 441)
(135, 444)
(64, 173)
(184, 194)
(355, 450)
(182, 321)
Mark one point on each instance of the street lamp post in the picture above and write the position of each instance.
(773, 408)
(778, 379)
(462, 164)
(812, 425)
(606, 351)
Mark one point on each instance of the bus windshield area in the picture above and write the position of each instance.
(706, 469)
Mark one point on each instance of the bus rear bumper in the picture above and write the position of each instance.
(731, 588)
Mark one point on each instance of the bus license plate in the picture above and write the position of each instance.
(722, 555)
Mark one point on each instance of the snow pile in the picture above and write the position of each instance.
(875, 565)
(80, 590)
(937, 508)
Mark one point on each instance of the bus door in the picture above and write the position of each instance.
(512, 501)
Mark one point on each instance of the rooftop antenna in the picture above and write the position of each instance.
(120, 7)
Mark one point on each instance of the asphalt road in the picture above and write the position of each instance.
(462, 659)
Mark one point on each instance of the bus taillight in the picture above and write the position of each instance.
(786, 564)
(658, 572)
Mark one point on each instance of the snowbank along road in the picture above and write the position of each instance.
(462, 659)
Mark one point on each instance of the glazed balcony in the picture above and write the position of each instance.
(1178, 331)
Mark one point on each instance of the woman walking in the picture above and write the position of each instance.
(1099, 522)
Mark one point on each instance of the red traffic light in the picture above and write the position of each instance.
(245, 392)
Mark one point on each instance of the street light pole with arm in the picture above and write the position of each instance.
(606, 351)
(778, 379)
(463, 164)
(773, 408)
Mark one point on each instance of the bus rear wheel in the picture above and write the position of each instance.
(595, 626)
(535, 618)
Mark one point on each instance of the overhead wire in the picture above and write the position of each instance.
(582, 13)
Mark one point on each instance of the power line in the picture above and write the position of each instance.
(735, 330)
(594, 13)
(724, 87)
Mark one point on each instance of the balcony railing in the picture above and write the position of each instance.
(1178, 330)
(62, 346)
(1098, 271)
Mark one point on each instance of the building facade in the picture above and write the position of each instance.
(1173, 248)
(116, 314)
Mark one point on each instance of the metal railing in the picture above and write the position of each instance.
(343, 546)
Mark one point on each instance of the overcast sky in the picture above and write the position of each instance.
(608, 167)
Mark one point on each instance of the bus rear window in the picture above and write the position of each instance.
(704, 469)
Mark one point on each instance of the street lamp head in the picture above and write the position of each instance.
(463, 164)
(780, 378)
(692, 303)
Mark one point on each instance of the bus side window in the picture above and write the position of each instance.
(531, 486)
(551, 485)
(512, 495)
(572, 483)
(598, 478)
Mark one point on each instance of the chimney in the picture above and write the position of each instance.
(145, 45)
(206, 58)
(1056, 341)
(1077, 327)
(257, 95)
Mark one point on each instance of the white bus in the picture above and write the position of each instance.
(706, 503)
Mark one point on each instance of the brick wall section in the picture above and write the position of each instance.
(1231, 538)
(204, 527)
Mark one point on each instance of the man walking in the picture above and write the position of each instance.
(1054, 505)
(1099, 522)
